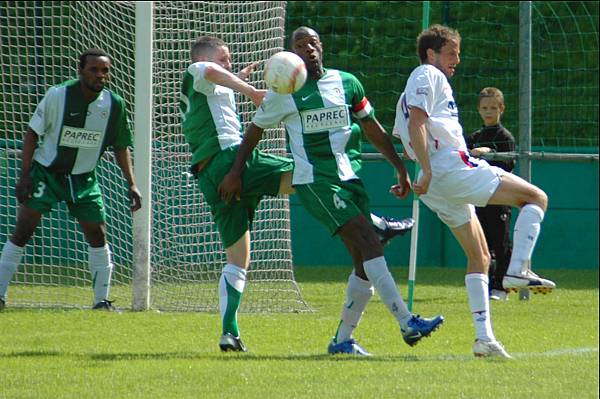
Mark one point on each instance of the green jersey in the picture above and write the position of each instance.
(318, 121)
(209, 117)
(73, 132)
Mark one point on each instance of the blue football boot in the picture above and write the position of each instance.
(419, 327)
(349, 347)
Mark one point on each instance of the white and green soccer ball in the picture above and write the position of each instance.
(285, 73)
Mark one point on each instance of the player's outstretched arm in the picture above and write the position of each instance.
(223, 77)
(380, 139)
(123, 159)
(231, 186)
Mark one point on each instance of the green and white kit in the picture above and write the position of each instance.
(213, 130)
(318, 119)
(73, 133)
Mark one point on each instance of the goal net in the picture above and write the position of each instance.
(40, 48)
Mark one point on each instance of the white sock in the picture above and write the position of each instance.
(231, 287)
(379, 275)
(358, 294)
(479, 303)
(527, 230)
(377, 221)
(101, 266)
(9, 261)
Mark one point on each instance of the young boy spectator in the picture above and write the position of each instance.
(495, 219)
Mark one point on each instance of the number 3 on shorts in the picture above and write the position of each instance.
(338, 202)
(40, 189)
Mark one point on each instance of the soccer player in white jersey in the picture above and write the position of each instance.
(318, 120)
(451, 182)
(71, 128)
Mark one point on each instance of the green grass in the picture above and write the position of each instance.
(83, 354)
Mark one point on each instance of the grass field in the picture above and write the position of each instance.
(84, 354)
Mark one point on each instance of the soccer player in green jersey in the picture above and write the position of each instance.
(70, 130)
(318, 119)
(213, 130)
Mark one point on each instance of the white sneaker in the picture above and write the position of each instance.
(489, 349)
(498, 295)
(527, 279)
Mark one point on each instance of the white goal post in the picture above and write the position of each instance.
(174, 256)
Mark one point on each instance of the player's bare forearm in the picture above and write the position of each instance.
(123, 159)
(29, 144)
(231, 186)
(223, 77)
(24, 186)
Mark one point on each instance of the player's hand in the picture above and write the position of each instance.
(231, 187)
(421, 186)
(135, 198)
(257, 96)
(244, 73)
(24, 189)
(401, 189)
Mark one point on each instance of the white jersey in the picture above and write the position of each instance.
(428, 89)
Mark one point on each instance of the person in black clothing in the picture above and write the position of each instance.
(495, 219)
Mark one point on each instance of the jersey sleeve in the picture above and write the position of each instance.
(201, 84)
(272, 110)
(361, 107)
(420, 91)
(124, 135)
(45, 113)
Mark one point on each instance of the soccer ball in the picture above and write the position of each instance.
(285, 73)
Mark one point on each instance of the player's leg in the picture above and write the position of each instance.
(47, 191)
(358, 293)
(231, 288)
(533, 202)
(472, 239)
(12, 252)
(99, 262)
(499, 243)
(374, 267)
(86, 205)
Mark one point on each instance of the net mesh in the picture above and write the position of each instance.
(377, 42)
(40, 47)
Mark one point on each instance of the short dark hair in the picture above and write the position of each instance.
(206, 45)
(92, 52)
(303, 31)
(435, 38)
(491, 92)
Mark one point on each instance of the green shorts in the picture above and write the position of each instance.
(261, 177)
(80, 192)
(334, 203)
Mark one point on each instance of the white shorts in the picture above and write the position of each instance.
(459, 182)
